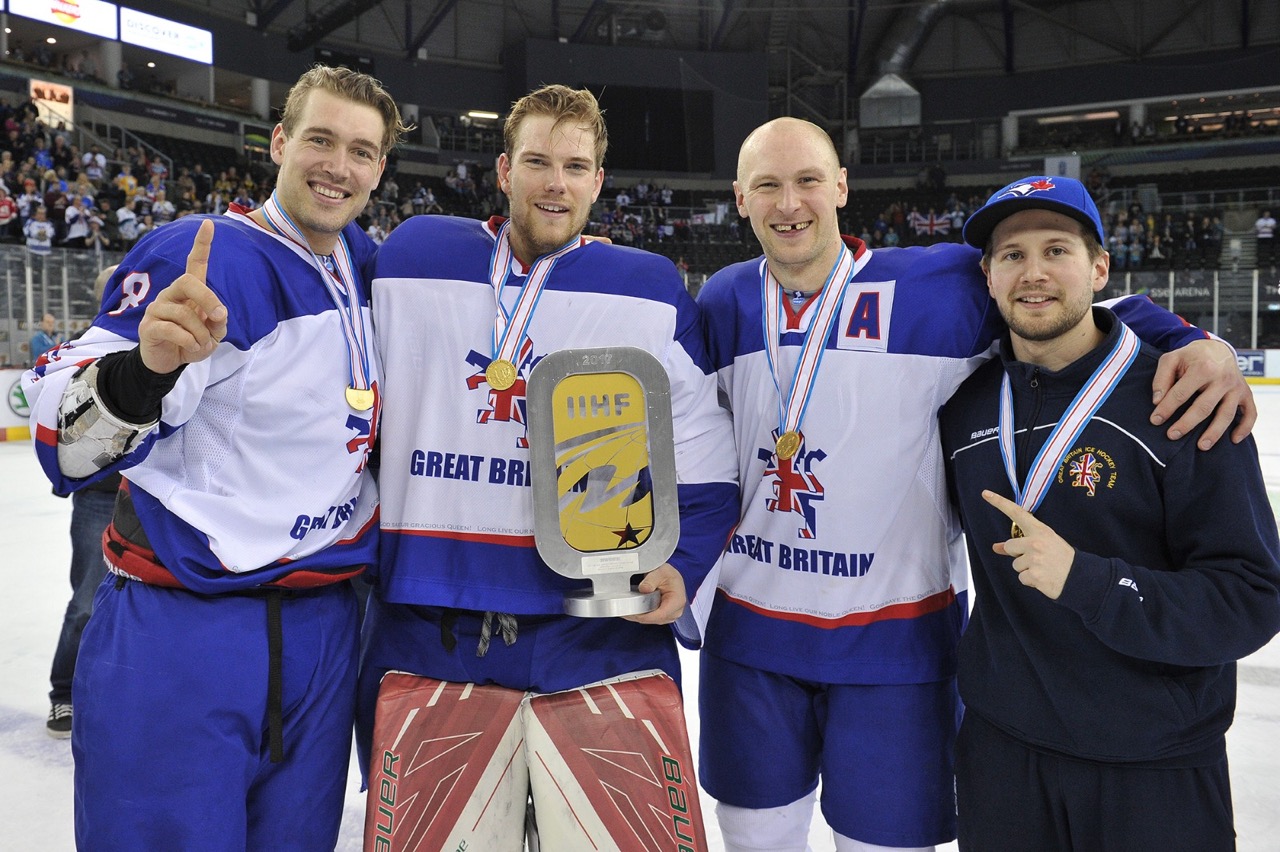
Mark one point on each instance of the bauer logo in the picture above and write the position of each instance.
(385, 819)
(1253, 362)
(678, 794)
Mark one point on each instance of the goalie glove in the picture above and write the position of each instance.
(90, 437)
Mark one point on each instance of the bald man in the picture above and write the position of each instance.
(830, 652)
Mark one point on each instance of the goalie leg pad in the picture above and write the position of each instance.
(446, 768)
(610, 767)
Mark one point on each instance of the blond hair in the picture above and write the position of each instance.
(563, 104)
(353, 86)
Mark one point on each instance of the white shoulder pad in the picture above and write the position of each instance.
(90, 437)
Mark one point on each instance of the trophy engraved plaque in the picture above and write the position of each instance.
(603, 473)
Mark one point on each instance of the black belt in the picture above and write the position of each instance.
(275, 598)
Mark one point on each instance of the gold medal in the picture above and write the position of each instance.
(1016, 531)
(500, 374)
(361, 399)
(788, 443)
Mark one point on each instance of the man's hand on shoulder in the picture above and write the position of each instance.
(1207, 368)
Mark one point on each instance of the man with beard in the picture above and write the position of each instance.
(830, 650)
(464, 323)
(1119, 575)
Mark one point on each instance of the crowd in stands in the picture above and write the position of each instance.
(54, 194)
(1241, 123)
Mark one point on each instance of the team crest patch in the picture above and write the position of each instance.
(796, 487)
(1089, 468)
(507, 405)
(366, 430)
(1022, 190)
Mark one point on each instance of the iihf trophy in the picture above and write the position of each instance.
(603, 473)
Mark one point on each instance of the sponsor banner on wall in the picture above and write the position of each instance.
(87, 16)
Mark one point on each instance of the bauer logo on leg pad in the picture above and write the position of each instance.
(610, 766)
(451, 774)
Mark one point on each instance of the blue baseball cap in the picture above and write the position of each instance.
(1060, 194)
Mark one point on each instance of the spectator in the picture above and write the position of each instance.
(127, 221)
(28, 201)
(96, 240)
(126, 182)
(77, 221)
(45, 338)
(94, 164)
(91, 510)
(1265, 230)
(44, 157)
(110, 221)
(8, 213)
(39, 232)
(201, 181)
(145, 225)
(162, 209)
(430, 203)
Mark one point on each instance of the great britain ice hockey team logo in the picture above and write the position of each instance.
(1085, 473)
(509, 405)
(1091, 468)
(796, 487)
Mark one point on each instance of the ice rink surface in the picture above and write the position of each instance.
(35, 770)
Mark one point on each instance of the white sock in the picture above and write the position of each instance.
(784, 829)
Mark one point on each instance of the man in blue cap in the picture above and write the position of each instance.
(830, 651)
(1118, 574)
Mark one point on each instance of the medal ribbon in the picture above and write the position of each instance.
(1064, 434)
(509, 329)
(340, 283)
(794, 399)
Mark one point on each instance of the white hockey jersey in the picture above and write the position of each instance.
(457, 512)
(258, 470)
(847, 565)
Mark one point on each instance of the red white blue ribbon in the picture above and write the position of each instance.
(1078, 414)
(793, 397)
(340, 281)
(509, 328)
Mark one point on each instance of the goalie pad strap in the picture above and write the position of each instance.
(90, 437)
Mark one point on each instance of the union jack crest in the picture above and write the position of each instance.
(1085, 474)
(795, 487)
(505, 406)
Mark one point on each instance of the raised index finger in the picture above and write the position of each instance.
(198, 257)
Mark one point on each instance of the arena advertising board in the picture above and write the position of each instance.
(87, 16)
(166, 36)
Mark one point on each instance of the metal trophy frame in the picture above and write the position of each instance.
(609, 570)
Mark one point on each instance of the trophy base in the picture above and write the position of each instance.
(611, 604)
